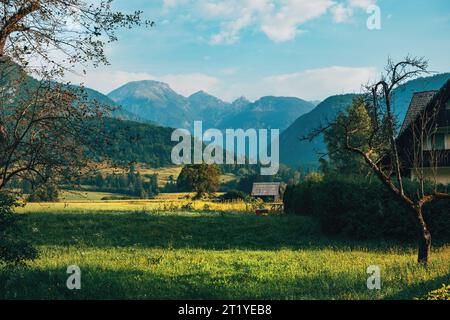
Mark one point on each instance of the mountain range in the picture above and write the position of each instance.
(157, 102)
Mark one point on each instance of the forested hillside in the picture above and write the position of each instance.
(295, 152)
(129, 141)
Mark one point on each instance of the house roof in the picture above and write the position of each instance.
(266, 189)
(418, 103)
(423, 101)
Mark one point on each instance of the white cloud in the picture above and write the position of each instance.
(230, 30)
(279, 20)
(283, 24)
(319, 83)
(362, 4)
(341, 13)
(217, 9)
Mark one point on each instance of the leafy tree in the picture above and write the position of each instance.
(313, 177)
(44, 131)
(11, 249)
(200, 178)
(78, 30)
(342, 161)
(47, 192)
(99, 181)
(171, 185)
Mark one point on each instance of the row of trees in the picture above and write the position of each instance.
(132, 183)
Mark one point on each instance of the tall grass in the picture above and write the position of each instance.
(207, 255)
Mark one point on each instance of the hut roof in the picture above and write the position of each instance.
(266, 189)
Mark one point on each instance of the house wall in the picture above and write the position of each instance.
(442, 175)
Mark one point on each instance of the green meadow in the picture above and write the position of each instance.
(207, 255)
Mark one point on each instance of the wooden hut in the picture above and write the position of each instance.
(268, 191)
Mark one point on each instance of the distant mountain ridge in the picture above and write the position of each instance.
(268, 113)
(154, 101)
(207, 108)
(157, 102)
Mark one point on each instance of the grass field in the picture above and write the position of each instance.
(151, 254)
(163, 203)
(68, 196)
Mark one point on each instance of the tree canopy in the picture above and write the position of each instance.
(341, 160)
(200, 178)
(60, 33)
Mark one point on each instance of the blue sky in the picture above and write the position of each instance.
(305, 48)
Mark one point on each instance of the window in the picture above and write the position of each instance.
(440, 141)
(436, 142)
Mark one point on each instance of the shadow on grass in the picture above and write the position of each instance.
(102, 284)
(420, 290)
(205, 231)
(201, 231)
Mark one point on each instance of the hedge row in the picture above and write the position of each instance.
(362, 209)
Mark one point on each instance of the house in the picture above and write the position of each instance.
(268, 191)
(424, 138)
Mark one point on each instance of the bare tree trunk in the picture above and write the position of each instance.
(424, 240)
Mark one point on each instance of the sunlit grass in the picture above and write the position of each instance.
(164, 202)
(136, 254)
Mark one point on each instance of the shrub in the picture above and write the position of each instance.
(233, 195)
(12, 249)
(188, 207)
(46, 193)
(363, 209)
